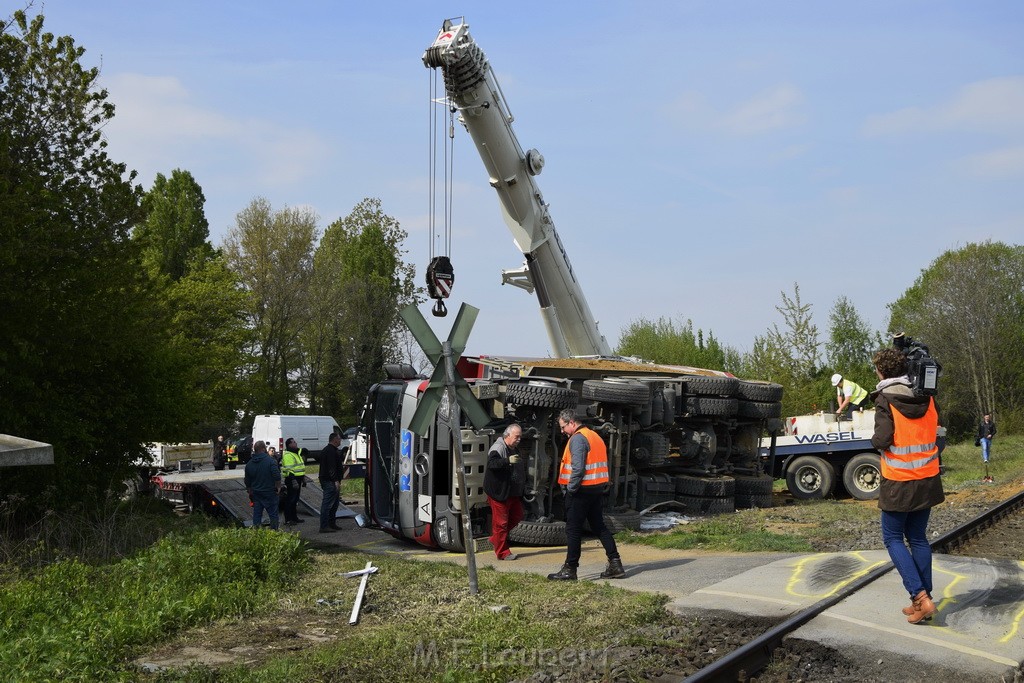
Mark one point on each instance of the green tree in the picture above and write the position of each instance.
(175, 231)
(968, 308)
(790, 356)
(851, 344)
(361, 258)
(666, 341)
(271, 253)
(85, 364)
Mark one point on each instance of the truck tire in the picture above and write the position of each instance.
(759, 409)
(708, 505)
(863, 475)
(716, 407)
(618, 391)
(539, 533)
(759, 484)
(540, 395)
(619, 521)
(711, 487)
(701, 385)
(650, 448)
(765, 392)
(809, 477)
(747, 501)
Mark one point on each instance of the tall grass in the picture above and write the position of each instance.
(78, 622)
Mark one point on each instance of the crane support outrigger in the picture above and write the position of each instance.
(676, 435)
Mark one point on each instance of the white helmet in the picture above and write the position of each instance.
(836, 379)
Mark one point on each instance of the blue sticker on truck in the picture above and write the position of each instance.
(405, 462)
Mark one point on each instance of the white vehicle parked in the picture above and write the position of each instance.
(310, 432)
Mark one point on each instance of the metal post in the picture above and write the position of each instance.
(454, 424)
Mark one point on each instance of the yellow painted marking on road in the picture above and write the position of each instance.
(948, 594)
(745, 596)
(803, 563)
(1016, 621)
(925, 639)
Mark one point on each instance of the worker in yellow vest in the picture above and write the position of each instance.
(849, 394)
(293, 469)
(584, 478)
(906, 425)
(232, 456)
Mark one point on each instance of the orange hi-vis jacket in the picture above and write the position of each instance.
(913, 453)
(597, 460)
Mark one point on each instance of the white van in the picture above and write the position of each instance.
(309, 431)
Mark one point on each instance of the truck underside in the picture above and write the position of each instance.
(676, 436)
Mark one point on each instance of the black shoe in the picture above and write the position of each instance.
(335, 527)
(327, 530)
(614, 570)
(566, 573)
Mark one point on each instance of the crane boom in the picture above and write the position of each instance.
(473, 89)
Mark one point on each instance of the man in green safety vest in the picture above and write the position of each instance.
(293, 468)
(849, 394)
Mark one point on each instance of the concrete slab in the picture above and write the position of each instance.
(18, 452)
(977, 627)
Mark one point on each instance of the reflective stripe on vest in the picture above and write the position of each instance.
(913, 453)
(292, 464)
(596, 469)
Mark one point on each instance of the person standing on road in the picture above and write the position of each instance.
(263, 481)
(504, 484)
(220, 453)
(905, 433)
(330, 479)
(986, 430)
(849, 394)
(293, 468)
(584, 477)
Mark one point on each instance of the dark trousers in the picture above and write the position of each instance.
(585, 505)
(293, 487)
(329, 507)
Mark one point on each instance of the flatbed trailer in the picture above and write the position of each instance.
(223, 493)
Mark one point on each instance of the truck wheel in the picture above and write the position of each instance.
(539, 533)
(758, 484)
(619, 521)
(747, 501)
(759, 409)
(707, 505)
(540, 395)
(711, 487)
(862, 476)
(650, 448)
(705, 405)
(619, 391)
(711, 386)
(810, 477)
(752, 390)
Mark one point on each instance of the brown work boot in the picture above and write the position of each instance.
(566, 573)
(614, 570)
(907, 611)
(924, 608)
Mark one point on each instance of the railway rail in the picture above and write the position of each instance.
(754, 656)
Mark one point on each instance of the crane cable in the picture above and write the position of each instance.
(440, 274)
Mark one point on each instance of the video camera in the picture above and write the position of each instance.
(922, 369)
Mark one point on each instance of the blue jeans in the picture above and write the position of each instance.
(915, 564)
(264, 500)
(986, 446)
(329, 506)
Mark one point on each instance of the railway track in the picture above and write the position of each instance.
(754, 656)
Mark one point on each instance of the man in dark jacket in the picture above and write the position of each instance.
(330, 479)
(906, 427)
(263, 481)
(504, 484)
(986, 430)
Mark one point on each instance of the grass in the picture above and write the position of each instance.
(806, 524)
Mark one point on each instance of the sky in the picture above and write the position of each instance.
(702, 157)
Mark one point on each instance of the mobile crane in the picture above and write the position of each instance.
(674, 433)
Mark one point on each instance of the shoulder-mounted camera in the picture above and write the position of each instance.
(922, 369)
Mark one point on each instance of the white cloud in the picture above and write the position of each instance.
(992, 105)
(999, 162)
(159, 125)
(778, 107)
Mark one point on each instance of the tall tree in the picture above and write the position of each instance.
(668, 341)
(271, 252)
(968, 308)
(851, 343)
(175, 230)
(371, 282)
(85, 364)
